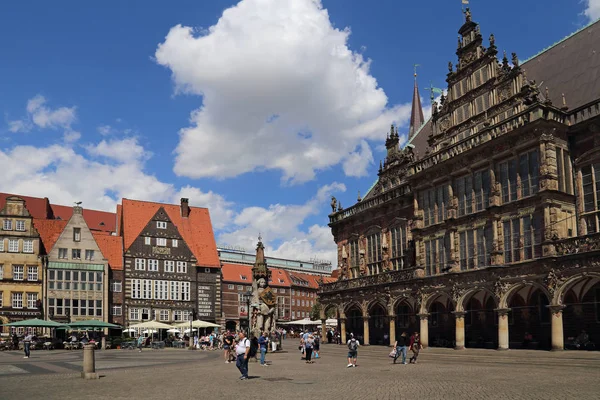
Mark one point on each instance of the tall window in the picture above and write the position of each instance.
(591, 196)
(175, 290)
(437, 254)
(1, 299)
(185, 291)
(136, 289)
(17, 300)
(354, 258)
(508, 180)
(174, 243)
(169, 266)
(529, 172)
(522, 238)
(398, 234)
(89, 255)
(32, 273)
(1, 271)
(475, 247)
(18, 272)
(32, 300)
(565, 171)
(374, 252)
(481, 189)
(434, 203)
(13, 246)
(1, 244)
(153, 265)
(140, 264)
(77, 234)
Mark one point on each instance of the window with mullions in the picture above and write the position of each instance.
(508, 180)
(591, 197)
(565, 171)
(475, 246)
(399, 244)
(437, 254)
(522, 238)
(354, 258)
(528, 172)
(374, 253)
(434, 203)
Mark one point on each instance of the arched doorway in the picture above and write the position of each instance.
(581, 315)
(529, 316)
(481, 322)
(354, 323)
(406, 320)
(379, 326)
(441, 322)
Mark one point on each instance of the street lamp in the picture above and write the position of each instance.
(192, 317)
(248, 299)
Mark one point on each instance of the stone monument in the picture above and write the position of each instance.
(264, 301)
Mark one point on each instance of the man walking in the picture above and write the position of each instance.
(140, 342)
(227, 344)
(27, 344)
(263, 342)
(242, 352)
(401, 347)
(352, 351)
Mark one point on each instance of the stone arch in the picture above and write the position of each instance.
(426, 304)
(440, 307)
(352, 304)
(505, 298)
(377, 302)
(559, 294)
(463, 300)
(403, 299)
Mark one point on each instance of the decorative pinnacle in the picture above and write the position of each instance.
(259, 237)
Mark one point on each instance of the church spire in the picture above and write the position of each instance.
(416, 114)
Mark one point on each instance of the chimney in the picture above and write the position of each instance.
(185, 208)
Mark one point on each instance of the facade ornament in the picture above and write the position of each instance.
(359, 198)
(553, 281)
(340, 208)
(468, 16)
(333, 204)
(492, 40)
(500, 288)
(547, 96)
(456, 293)
(515, 60)
(450, 67)
(564, 107)
(344, 253)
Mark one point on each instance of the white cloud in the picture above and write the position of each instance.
(592, 10)
(124, 151)
(221, 211)
(104, 130)
(71, 136)
(279, 223)
(357, 162)
(281, 90)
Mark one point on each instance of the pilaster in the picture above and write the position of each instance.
(558, 341)
(460, 330)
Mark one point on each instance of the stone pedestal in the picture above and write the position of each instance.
(558, 340)
(503, 328)
(343, 329)
(366, 329)
(424, 329)
(89, 362)
(460, 330)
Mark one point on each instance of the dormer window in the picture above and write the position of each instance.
(243, 277)
(161, 224)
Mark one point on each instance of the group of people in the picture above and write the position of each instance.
(404, 343)
(310, 343)
(238, 348)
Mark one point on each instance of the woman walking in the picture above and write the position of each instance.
(308, 348)
(415, 347)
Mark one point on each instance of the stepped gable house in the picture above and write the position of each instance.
(76, 278)
(486, 225)
(171, 265)
(21, 272)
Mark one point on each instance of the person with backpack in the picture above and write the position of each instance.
(263, 342)
(352, 351)
(242, 352)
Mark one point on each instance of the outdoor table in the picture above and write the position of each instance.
(158, 345)
(179, 344)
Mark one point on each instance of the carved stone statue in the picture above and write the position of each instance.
(264, 300)
(333, 204)
(468, 16)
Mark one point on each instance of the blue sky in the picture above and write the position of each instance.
(259, 112)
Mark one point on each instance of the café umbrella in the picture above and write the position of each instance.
(92, 324)
(35, 323)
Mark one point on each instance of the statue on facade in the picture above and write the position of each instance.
(333, 204)
(264, 300)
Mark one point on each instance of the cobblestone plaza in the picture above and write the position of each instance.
(440, 374)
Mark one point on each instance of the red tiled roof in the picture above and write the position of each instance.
(196, 230)
(95, 220)
(42, 208)
(49, 230)
(233, 273)
(313, 280)
(335, 273)
(111, 248)
(38, 207)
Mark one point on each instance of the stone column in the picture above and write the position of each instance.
(502, 328)
(558, 341)
(392, 329)
(366, 329)
(424, 330)
(323, 329)
(460, 330)
(343, 329)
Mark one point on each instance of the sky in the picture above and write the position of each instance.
(259, 110)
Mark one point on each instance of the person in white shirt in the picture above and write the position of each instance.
(27, 344)
(241, 351)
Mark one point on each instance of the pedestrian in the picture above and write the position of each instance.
(401, 347)
(352, 350)
(309, 344)
(329, 336)
(140, 342)
(242, 352)
(227, 343)
(263, 342)
(27, 344)
(415, 347)
(317, 345)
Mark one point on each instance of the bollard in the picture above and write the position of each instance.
(89, 362)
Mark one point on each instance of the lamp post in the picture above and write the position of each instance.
(248, 299)
(191, 331)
